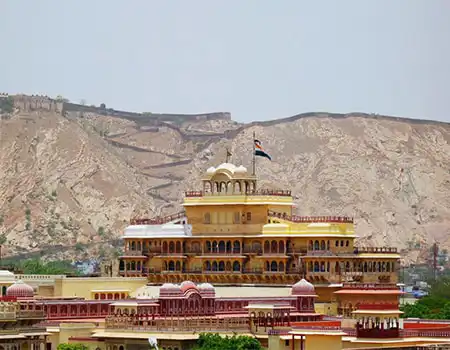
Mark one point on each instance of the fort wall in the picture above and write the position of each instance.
(30, 103)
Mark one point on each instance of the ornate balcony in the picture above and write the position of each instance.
(157, 220)
(377, 333)
(252, 251)
(129, 252)
(296, 251)
(370, 286)
(262, 192)
(30, 314)
(145, 323)
(380, 306)
(376, 250)
(312, 219)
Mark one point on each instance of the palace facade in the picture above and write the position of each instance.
(232, 232)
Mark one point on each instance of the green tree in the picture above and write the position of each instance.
(7, 105)
(69, 346)
(38, 267)
(211, 341)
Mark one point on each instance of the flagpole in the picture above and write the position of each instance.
(254, 157)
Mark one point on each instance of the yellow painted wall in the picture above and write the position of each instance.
(222, 219)
(82, 287)
(46, 291)
(328, 309)
(311, 342)
(325, 342)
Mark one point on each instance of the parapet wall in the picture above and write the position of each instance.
(31, 103)
(27, 103)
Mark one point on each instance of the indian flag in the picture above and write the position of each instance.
(259, 150)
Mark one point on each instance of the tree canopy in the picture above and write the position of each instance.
(434, 306)
(211, 341)
(70, 346)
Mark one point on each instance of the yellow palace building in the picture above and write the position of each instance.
(233, 233)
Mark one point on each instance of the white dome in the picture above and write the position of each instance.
(240, 170)
(211, 170)
(303, 287)
(169, 286)
(6, 275)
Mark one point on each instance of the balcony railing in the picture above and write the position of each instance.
(378, 250)
(370, 286)
(31, 314)
(130, 252)
(253, 271)
(262, 192)
(158, 220)
(380, 306)
(146, 324)
(377, 333)
(252, 251)
(312, 219)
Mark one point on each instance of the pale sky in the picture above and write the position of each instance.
(258, 59)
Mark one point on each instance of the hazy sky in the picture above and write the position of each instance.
(258, 59)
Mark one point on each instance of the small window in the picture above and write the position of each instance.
(286, 343)
(342, 243)
(207, 218)
(237, 217)
(337, 243)
(249, 216)
(346, 243)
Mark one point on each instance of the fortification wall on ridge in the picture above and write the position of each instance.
(27, 103)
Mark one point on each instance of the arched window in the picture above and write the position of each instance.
(228, 247)
(274, 266)
(281, 247)
(266, 247)
(221, 266)
(165, 247)
(178, 247)
(316, 245)
(316, 267)
(214, 266)
(221, 247)
(171, 265)
(274, 247)
(208, 247)
(207, 266)
(133, 265)
(177, 266)
(281, 267)
(236, 266)
(322, 245)
(236, 247)
(171, 247)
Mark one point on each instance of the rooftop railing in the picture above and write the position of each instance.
(370, 286)
(262, 192)
(157, 220)
(361, 250)
(312, 219)
(381, 306)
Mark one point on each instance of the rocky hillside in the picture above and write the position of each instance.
(68, 185)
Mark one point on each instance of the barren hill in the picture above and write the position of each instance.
(77, 179)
